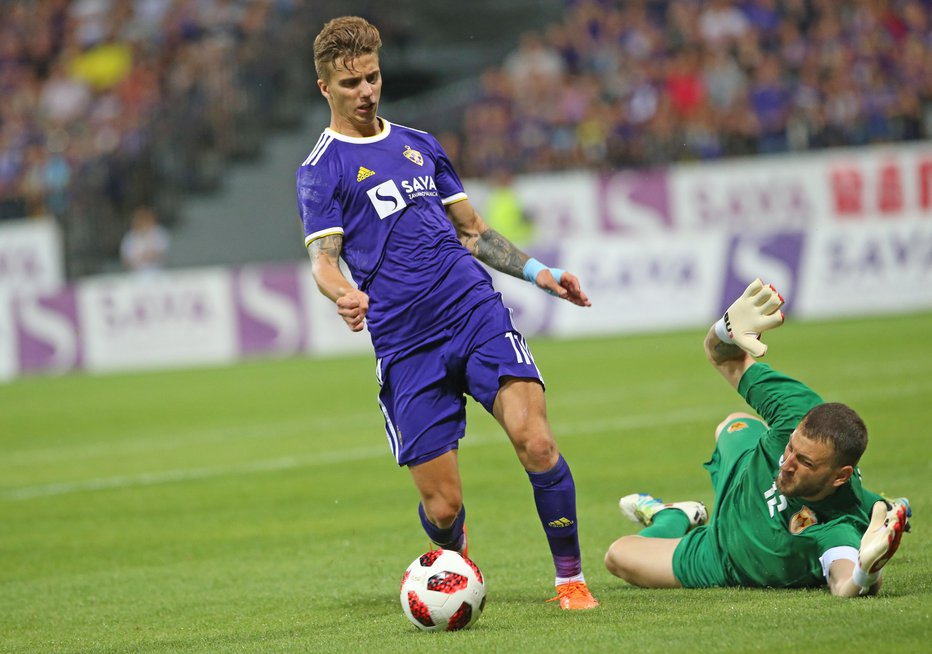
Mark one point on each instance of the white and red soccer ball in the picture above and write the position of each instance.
(442, 590)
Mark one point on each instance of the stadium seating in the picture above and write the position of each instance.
(112, 104)
(629, 84)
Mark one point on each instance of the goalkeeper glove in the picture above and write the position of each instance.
(880, 541)
(756, 311)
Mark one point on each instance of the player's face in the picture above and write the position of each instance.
(353, 92)
(808, 469)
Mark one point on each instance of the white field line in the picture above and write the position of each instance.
(473, 439)
(476, 438)
(144, 439)
(151, 438)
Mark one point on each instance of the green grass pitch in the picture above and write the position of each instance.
(256, 508)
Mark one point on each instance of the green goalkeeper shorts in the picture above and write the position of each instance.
(737, 439)
(697, 560)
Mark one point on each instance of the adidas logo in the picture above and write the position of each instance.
(562, 522)
(364, 173)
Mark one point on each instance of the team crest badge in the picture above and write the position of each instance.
(735, 426)
(413, 155)
(802, 519)
(364, 173)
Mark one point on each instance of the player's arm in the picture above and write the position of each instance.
(729, 359)
(496, 251)
(841, 583)
(352, 304)
(733, 342)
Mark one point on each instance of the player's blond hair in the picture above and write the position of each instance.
(342, 40)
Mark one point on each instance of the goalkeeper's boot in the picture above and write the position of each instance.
(641, 507)
(574, 595)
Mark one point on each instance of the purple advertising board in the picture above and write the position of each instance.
(47, 331)
(270, 318)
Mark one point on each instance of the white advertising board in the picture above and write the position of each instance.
(866, 268)
(173, 319)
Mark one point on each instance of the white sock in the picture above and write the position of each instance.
(565, 580)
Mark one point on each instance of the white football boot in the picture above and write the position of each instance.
(641, 507)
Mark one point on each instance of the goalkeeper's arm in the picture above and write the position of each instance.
(847, 578)
(729, 359)
(841, 582)
(733, 342)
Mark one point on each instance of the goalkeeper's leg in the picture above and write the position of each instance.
(642, 561)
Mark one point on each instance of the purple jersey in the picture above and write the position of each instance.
(385, 195)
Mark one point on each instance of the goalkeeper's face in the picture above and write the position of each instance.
(808, 469)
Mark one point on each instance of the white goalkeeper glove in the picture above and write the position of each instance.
(880, 541)
(756, 311)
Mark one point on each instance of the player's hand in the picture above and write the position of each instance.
(882, 538)
(566, 288)
(756, 311)
(353, 307)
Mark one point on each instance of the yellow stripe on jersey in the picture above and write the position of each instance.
(331, 231)
(453, 199)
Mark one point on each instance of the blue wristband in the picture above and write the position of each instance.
(531, 269)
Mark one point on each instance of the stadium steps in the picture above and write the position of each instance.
(434, 49)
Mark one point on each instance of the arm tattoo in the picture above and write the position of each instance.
(726, 352)
(327, 246)
(496, 251)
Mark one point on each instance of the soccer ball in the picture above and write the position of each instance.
(442, 590)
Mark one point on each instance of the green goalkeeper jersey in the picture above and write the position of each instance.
(767, 539)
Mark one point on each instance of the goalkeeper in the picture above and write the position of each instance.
(790, 510)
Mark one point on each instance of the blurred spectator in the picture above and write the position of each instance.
(648, 82)
(64, 98)
(104, 64)
(504, 211)
(770, 99)
(112, 104)
(685, 84)
(722, 22)
(723, 78)
(534, 61)
(144, 248)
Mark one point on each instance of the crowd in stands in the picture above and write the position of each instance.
(110, 105)
(645, 82)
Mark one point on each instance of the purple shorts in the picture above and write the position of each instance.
(423, 390)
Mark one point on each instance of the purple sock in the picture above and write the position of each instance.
(450, 538)
(555, 496)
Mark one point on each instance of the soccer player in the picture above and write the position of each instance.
(790, 510)
(386, 199)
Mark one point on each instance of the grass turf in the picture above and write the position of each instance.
(256, 508)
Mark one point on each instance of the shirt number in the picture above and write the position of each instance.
(522, 354)
(776, 502)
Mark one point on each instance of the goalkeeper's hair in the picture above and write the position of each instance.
(342, 40)
(839, 425)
